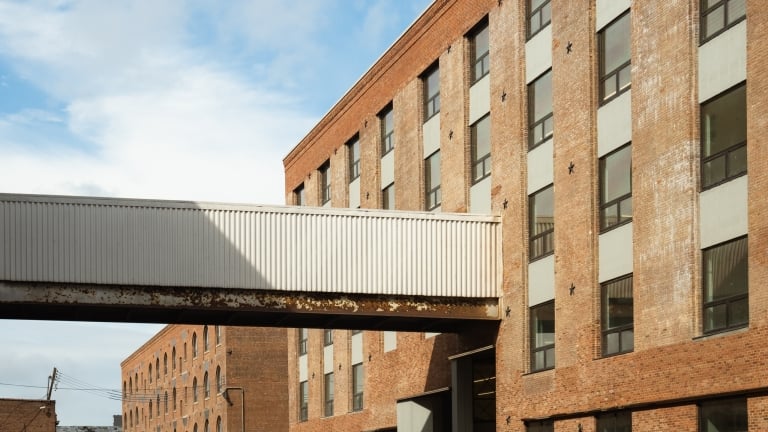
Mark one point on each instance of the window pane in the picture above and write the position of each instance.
(534, 4)
(737, 161)
(616, 174)
(725, 270)
(432, 83)
(725, 415)
(713, 171)
(543, 211)
(714, 21)
(481, 43)
(388, 197)
(543, 325)
(617, 303)
(616, 44)
(736, 10)
(541, 97)
(724, 122)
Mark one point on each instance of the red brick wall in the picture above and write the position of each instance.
(26, 415)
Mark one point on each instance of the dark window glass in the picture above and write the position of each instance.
(541, 426)
(354, 158)
(484, 394)
(541, 124)
(720, 15)
(724, 137)
(328, 394)
(615, 77)
(543, 336)
(165, 364)
(219, 380)
(299, 197)
(539, 16)
(388, 197)
(327, 337)
(728, 415)
(726, 293)
(357, 387)
(431, 92)
(616, 188)
(173, 394)
(194, 345)
(432, 176)
(615, 422)
(173, 359)
(218, 335)
(194, 389)
(205, 338)
(480, 53)
(303, 335)
(481, 149)
(325, 182)
(617, 316)
(387, 118)
(206, 386)
(541, 221)
(303, 401)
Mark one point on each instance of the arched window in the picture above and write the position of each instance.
(150, 408)
(194, 389)
(125, 387)
(194, 429)
(166, 402)
(136, 381)
(157, 368)
(165, 364)
(137, 416)
(206, 426)
(150, 372)
(130, 418)
(219, 380)
(174, 398)
(218, 424)
(130, 385)
(158, 406)
(173, 359)
(218, 335)
(206, 387)
(194, 345)
(125, 419)
(205, 338)
(185, 351)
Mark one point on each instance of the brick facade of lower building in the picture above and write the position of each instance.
(28, 415)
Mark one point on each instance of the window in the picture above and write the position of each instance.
(325, 182)
(541, 221)
(218, 335)
(540, 426)
(431, 81)
(218, 424)
(150, 409)
(298, 196)
(480, 47)
(185, 351)
(206, 386)
(219, 380)
(158, 406)
(724, 137)
(541, 124)
(726, 302)
(194, 345)
(388, 197)
(165, 364)
(615, 76)
(543, 336)
(194, 389)
(150, 372)
(720, 15)
(327, 337)
(354, 332)
(616, 188)
(353, 147)
(194, 429)
(328, 394)
(303, 401)
(157, 368)
(539, 16)
(303, 335)
(173, 393)
(387, 118)
(173, 359)
(357, 387)
(205, 427)
(130, 385)
(165, 402)
(481, 149)
(615, 422)
(729, 415)
(432, 177)
(617, 316)
(205, 339)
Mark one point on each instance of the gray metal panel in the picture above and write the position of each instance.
(167, 243)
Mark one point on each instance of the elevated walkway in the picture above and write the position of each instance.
(100, 259)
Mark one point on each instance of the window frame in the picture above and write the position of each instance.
(704, 12)
(543, 348)
(194, 390)
(358, 382)
(431, 102)
(206, 386)
(303, 337)
(219, 380)
(530, 33)
(388, 203)
(206, 340)
(548, 247)
(482, 161)
(618, 201)
(433, 194)
(620, 329)
(303, 401)
(542, 122)
(353, 146)
(702, 410)
(194, 345)
(603, 75)
(387, 136)
(725, 153)
(727, 301)
(299, 195)
(607, 421)
(328, 394)
(482, 59)
(324, 171)
(327, 337)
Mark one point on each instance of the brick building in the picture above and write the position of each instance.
(622, 142)
(192, 378)
(28, 415)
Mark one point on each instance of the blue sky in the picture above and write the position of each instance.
(174, 99)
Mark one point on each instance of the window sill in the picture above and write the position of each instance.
(613, 227)
(613, 355)
(538, 371)
(722, 30)
(722, 182)
(722, 333)
(540, 257)
(615, 96)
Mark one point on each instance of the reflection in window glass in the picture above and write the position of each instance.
(541, 223)
(728, 415)
(726, 301)
(617, 316)
(615, 51)
(543, 336)
(724, 137)
(540, 120)
(616, 187)
(481, 149)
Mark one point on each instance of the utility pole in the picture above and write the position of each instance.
(51, 381)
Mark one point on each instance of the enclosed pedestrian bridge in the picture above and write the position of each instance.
(120, 260)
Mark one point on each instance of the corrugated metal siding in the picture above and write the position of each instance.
(135, 242)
